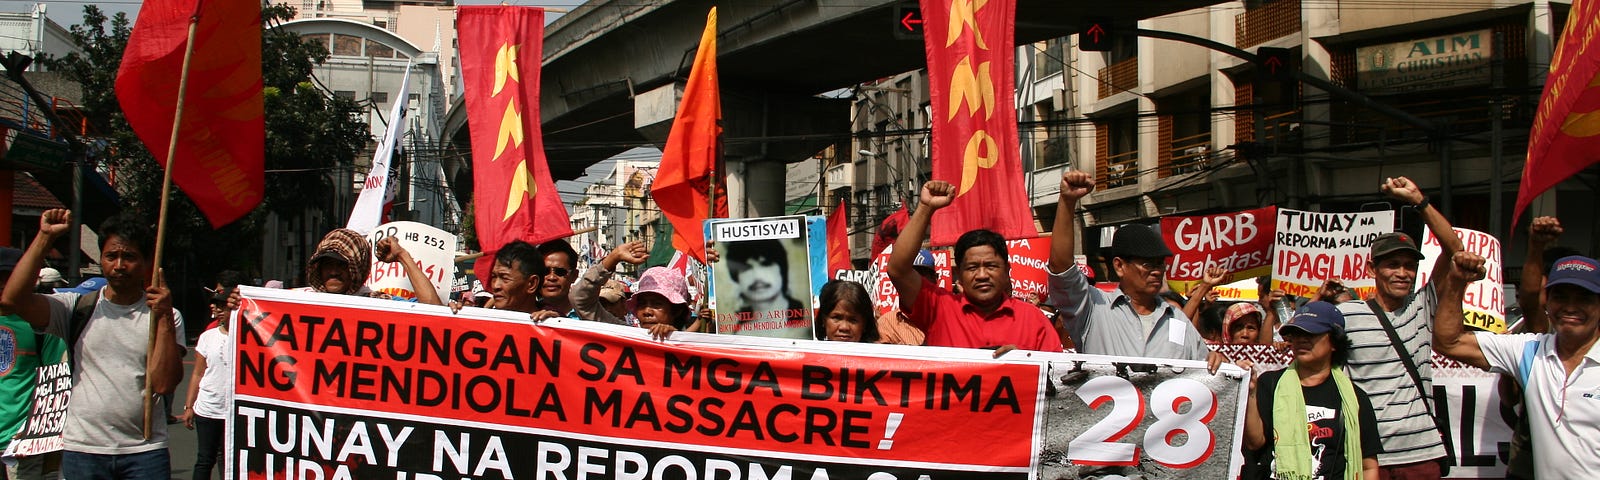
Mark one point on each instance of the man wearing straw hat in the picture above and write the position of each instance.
(103, 429)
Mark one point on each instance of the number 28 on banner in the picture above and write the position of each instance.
(1179, 405)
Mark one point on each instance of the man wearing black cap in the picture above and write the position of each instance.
(1132, 321)
(1559, 371)
(1412, 443)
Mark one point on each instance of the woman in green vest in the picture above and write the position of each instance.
(1308, 421)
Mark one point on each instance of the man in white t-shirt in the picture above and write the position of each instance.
(103, 428)
(1559, 372)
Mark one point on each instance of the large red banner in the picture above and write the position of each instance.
(971, 84)
(1239, 242)
(577, 387)
(515, 199)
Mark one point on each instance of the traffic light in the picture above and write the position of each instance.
(1275, 63)
(1096, 35)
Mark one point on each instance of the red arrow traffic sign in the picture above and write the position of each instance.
(1272, 64)
(911, 18)
(1095, 31)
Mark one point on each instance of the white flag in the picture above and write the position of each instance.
(379, 188)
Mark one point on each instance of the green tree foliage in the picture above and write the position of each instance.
(312, 141)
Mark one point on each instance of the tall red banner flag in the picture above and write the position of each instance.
(971, 80)
(501, 49)
(839, 239)
(688, 171)
(1566, 132)
(222, 138)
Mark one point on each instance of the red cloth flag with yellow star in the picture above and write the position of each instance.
(971, 84)
(514, 198)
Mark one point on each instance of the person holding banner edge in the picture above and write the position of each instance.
(1559, 371)
(103, 425)
(983, 315)
(1390, 338)
(1114, 324)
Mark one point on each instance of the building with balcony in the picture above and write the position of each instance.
(1172, 128)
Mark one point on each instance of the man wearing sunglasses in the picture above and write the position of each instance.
(560, 271)
(1131, 321)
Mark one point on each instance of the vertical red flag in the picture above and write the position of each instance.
(501, 49)
(971, 80)
(222, 138)
(1566, 132)
(839, 239)
(689, 162)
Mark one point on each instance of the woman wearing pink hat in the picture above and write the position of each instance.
(660, 302)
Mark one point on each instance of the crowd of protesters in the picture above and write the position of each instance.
(1363, 408)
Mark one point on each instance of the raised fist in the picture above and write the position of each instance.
(1544, 230)
(1403, 189)
(1076, 184)
(937, 194)
(1468, 267)
(55, 221)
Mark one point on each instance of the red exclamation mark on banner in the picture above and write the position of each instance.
(888, 431)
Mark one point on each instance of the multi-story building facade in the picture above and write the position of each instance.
(1173, 128)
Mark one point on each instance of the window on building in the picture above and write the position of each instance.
(345, 94)
(1047, 58)
(376, 49)
(380, 24)
(348, 45)
(318, 38)
(380, 98)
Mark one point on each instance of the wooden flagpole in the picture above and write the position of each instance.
(161, 224)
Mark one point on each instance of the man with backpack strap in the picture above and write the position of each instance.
(103, 428)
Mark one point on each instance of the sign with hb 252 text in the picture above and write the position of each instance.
(330, 387)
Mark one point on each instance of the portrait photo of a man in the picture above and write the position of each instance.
(763, 285)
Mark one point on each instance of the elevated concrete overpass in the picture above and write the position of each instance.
(612, 70)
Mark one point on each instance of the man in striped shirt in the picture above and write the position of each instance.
(1412, 444)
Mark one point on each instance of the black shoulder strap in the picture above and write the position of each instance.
(81, 312)
(1405, 357)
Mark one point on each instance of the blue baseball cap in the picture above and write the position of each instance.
(91, 284)
(924, 259)
(1316, 318)
(1575, 270)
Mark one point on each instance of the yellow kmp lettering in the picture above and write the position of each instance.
(505, 65)
(982, 152)
(964, 13)
(973, 89)
(522, 186)
(510, 129)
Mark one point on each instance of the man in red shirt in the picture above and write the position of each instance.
(983, 315)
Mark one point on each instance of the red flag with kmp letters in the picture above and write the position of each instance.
(839, 239)
(222, 135)
(514, 197)
(1566, 132)
(971, 78)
